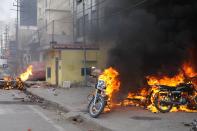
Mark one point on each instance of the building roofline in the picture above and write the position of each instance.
(75, 46)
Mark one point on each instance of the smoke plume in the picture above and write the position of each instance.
(151, 37)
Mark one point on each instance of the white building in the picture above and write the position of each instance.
(54, 21)
(54, 25)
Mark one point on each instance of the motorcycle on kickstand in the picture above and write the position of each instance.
(99, 100)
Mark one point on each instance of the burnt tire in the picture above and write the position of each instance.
(158, 106)
(91, 107)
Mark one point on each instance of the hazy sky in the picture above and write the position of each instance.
(5, 12)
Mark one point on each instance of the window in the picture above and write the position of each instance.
(87, 23)
(48, 72)
(79, 1)
(80, 27)
(46, 24)
(94, 18)
(88, 71)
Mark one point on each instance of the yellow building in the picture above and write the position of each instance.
(66, 62)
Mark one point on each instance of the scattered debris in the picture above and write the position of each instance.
(34, 99)
(193, 125)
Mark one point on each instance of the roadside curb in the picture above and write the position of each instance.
(48, 102)
(79, 114)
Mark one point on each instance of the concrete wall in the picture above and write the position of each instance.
(71, 62)
(51, 64)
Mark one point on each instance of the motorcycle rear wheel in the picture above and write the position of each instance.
(159, 100)
(97, 109)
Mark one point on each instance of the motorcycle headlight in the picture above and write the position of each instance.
(101, 84)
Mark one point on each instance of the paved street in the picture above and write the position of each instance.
(138, 119)
(16, 116)
(123, 118)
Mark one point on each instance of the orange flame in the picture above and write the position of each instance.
(165, 80)
(189, 71)
(110, 76)
(25, 76)
(186, 72)
(6, 78)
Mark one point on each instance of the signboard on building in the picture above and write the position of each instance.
(5, 66)
(28, 13)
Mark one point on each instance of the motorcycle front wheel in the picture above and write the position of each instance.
(97, 109)
(162, 102)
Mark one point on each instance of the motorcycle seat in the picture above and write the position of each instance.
(170, 88)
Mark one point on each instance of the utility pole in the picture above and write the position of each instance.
(84, 44)
(17, 32)
(17, 21)
(73, 21)
(53, 31)
(97, 21)
(1, 44)
(91, 16)
(6, 37)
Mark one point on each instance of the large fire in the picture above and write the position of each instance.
(165, 80)
(110, 76)
(25, 76)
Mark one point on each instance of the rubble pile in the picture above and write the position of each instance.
(34, 99)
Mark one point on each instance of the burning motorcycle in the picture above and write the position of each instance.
(168, 96)
(99, 100)
(106, 85)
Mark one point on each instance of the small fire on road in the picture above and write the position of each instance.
(25, 76)
(18, 82)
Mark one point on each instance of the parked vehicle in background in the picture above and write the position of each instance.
(38, 72)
